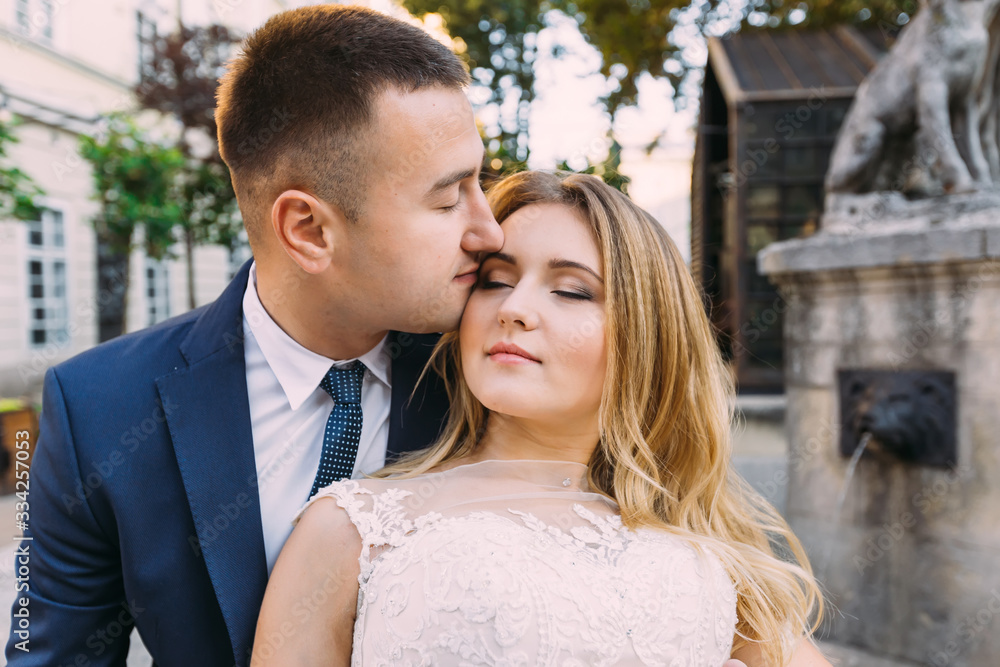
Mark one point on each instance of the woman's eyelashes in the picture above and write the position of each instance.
(491, 280)
(577, 294)
(581, 295)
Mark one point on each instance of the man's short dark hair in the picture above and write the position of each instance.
(296, 106)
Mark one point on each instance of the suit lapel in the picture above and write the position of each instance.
(415, 418)
(213, 442)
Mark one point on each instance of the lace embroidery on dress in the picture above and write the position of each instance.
(502, 563)
(384, 524)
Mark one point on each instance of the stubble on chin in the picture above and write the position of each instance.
(441, 315)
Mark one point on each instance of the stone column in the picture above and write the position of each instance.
(911, 562)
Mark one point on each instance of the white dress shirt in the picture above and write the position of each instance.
(288, 414)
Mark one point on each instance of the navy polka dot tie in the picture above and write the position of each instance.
(343, 428)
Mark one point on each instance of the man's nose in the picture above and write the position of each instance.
(484, 234)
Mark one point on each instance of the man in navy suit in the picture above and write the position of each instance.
(170, 461)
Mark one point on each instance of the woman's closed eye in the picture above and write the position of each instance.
(581, 295)
(576, 294)
(487, 283)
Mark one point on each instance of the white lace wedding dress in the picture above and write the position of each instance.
(518, 563)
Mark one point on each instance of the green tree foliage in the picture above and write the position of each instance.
(135, 183)
(17, 189)
(498, 42)
(657, 36)
(180, 75)
(662, 38)
(608, 169)
(179, 79)
(210, 213)
(889, 15)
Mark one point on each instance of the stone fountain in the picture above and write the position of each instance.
(892, 344)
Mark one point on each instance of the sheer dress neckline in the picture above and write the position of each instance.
(499, 562)
(546, 473)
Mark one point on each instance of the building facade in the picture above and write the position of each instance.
(62, 65)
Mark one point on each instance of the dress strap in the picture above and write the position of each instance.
(380, 518)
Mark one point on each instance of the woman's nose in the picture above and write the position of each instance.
(517, 310)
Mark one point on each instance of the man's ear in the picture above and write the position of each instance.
(306, 228)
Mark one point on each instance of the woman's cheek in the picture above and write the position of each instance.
(591, 359)
(582, 342)
(468, 338)
(472, 319)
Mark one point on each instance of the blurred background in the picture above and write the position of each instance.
(719, 117)
(118, 213)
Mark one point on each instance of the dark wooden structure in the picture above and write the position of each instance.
(771, 108)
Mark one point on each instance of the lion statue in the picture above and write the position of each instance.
(926, 120)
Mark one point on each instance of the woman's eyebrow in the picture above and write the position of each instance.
(553, 264)
(502, 256)
(570, 264)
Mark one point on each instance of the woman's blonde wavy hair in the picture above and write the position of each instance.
(666, 409)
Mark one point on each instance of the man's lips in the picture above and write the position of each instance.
(468, 274)
(510, 353)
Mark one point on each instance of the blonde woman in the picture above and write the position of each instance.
(579, 507)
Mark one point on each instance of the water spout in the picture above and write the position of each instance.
(858, 451)
(824, 561)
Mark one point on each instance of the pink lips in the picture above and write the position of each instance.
(510, 354)
(468, 276)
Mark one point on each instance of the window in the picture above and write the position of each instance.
(157, 291)
(804, 201)
(34, 19)
(809, 160)
(764, 201)
(759, 235)
(47, 302)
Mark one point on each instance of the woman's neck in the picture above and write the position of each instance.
(512, 438)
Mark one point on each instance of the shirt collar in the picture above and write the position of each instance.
(299, 370)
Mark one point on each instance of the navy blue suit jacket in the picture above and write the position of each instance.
(143, 494)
